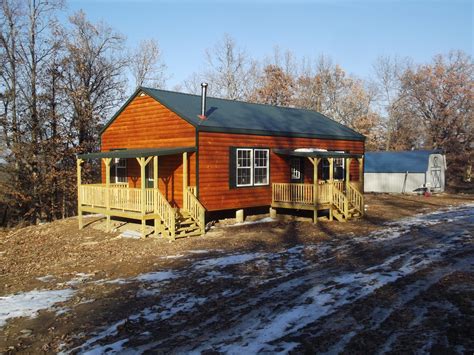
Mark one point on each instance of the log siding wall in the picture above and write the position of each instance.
(145, 123)
(214, 191)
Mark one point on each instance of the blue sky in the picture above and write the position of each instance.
(353, 33)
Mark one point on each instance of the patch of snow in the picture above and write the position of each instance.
(114, 348)
(262, 220)
(46, 278)
(80, 278)
(28, 304)
(93, 215)
(233, 259)
(177, 256)
(199, 251)
(156, 276)
(131, 234)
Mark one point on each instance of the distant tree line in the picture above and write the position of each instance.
(403, 105)
(59, 83)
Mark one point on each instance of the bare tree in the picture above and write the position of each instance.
(441, 96)
(147, 66)
(230, 71)
(388, 71)
(275, 87)
(93, 76)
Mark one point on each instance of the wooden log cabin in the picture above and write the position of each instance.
(175, 158)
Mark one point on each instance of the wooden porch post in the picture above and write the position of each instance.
(315, 162)
(107, 191)
(155, 193)
(361, 182)
(185, 179)
(348, 172)
(361, 175)
(331, 185)
(348, 176)
(143, 162)
(79, 199)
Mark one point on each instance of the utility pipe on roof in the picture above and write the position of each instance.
(203, 100)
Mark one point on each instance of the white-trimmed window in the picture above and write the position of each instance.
(244, 167)
(339, 168)
(295, 168)
(252, 167)
(120, 166)
(260, 167)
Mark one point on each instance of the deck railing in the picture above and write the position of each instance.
(293, 193)
(162, 207)
(340, 201)
(324, 193)
(301, 193)
(355, 197)
(121, 197)
(195, 208)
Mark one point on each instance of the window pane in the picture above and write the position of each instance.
(261, 167)
(261, 157)
(243, 176)
(243, 158)
(295, 169)
(261, 176)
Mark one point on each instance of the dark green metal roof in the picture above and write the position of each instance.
(231, 116)
(316, 154)
(137, 153)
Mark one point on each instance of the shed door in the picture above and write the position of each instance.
(435, 172)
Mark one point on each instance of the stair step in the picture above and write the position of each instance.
(186, 221)
(338, 216)
(187, 229)
(191, 234)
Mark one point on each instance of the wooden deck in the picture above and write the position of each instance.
(119, 200)
(343, 200)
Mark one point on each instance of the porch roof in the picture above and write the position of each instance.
(137, 153)
(316, 153)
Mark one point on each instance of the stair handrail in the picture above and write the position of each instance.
(340, 201)
(195, 208)
(355, 198)
(165, 211)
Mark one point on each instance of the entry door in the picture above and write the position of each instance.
(297, 170)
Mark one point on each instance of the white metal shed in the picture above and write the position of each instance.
(407, 171)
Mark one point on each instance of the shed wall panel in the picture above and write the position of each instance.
(393, 182)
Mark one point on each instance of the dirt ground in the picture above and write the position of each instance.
(116, 293)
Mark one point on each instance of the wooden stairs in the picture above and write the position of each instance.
(185, 226)
(347, 204)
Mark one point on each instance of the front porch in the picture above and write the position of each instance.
(144, 203)
(343, 198)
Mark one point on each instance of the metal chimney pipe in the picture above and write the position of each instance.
(203, 100)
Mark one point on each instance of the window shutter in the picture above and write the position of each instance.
(232, 167)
